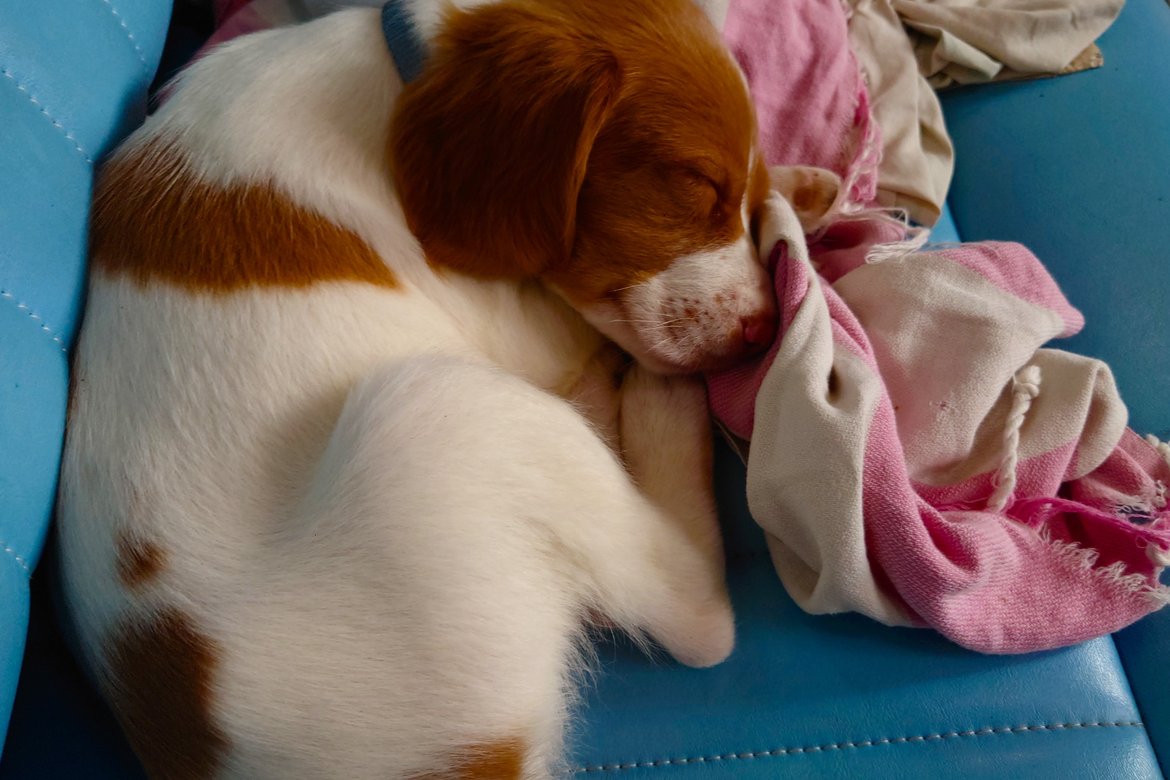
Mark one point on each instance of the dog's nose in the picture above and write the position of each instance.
(758, 329)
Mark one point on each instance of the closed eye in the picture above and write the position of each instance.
(697, 192)
(702, 178)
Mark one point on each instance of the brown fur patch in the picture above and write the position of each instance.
(154, 220)
(587, 146)
(160, 686)
(137, 560)
(502, 760)
(489, 146)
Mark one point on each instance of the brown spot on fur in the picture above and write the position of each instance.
(137, 560)
(502, 760)
(155, 220)
(160, 685)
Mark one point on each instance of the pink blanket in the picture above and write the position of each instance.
(917, 456)
(810, 97)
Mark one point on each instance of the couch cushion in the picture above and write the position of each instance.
(806, 696)
(1077, 169)
(802, 696)
(73, 77)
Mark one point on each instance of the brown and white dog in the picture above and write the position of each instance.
(350, 460)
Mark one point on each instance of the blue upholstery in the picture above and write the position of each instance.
(1079, 169)
(1069, 166)
(807, 696)
(73, 77)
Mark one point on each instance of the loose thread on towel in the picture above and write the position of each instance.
(916, 236)
(1025, 388)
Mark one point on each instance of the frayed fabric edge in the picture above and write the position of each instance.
(1084, 559)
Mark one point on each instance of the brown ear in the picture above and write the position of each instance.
(489, 145)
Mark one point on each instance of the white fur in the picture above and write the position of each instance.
(372, 502)
(695, 306)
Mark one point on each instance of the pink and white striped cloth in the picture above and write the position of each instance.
(917, 456)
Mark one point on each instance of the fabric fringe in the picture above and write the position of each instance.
(1084, 559)
(916, 236)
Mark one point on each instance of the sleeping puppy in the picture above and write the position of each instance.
(352, 454)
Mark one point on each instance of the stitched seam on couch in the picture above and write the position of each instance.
(1137, 702)
(32, 315)
(855, 745)
(44, 112)
(16, 557)
(129, 35)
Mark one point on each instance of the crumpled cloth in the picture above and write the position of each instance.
(917, 456)
(987, 40)
(909, 47)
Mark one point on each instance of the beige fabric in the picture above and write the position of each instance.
(1088, 59)
(969, 42)
(917, 157)
(906, 48)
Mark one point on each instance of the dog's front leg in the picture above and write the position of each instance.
(666, 444)
(596, 393)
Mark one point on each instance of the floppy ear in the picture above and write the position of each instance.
(489, 145)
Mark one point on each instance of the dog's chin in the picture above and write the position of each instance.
(673, 363)
(659, 364)
(665, 357)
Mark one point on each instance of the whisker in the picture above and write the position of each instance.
(661, 342)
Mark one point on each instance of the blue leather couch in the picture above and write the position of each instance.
(1078, 168)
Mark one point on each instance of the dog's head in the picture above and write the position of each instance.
(606, 148)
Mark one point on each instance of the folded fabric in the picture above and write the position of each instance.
(908, 48)
(917, 157)
(918, 457)
(972, 42)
